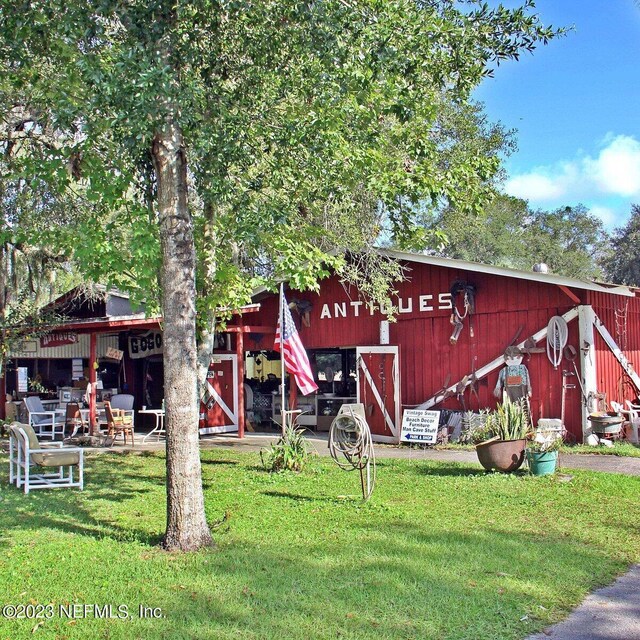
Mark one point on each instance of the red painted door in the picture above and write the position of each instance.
(378, 389)
(219, 407)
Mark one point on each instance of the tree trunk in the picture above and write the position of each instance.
(187, 528)
(206, 333)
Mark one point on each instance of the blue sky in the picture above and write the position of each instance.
(576, 106)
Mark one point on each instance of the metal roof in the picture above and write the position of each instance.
(478, 267)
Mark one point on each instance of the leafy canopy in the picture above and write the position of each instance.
(622, 264)
(508, 233)
(308, 126)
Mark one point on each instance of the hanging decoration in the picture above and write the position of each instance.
(467, 293)
(557, 335)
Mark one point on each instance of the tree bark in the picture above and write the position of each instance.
(187, 528)
(206, 333)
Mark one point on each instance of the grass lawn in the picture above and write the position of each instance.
(626, 449)
(441, 551)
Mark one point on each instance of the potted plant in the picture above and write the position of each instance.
(542, 452)
(500, 445)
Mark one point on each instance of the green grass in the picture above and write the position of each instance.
(441, 551)
(626, 449)
(619, 449)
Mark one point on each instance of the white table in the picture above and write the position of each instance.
(158, 430)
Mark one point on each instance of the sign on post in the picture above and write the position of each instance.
(420, 426)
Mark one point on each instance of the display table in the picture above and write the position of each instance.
(158, 429)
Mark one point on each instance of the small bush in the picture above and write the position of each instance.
(510, 420)
(290, 453)
(474, 428)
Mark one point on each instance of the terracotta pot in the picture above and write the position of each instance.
(501, 455)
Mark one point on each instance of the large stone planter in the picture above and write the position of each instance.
(501, 455)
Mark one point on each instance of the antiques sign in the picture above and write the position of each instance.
(420, 426)
(150, 344)
(58, 339)
(425, 303)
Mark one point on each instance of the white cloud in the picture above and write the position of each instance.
(608, 216)
(614, 171)
(534, 186)
(617, 168)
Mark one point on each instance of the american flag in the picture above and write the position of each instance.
(295, 357)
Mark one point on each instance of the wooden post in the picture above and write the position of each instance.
(93, 356)
(240, 357)
(588, 371)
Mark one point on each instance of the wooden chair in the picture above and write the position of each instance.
(118, 422)
(56, 462)
(73, 419)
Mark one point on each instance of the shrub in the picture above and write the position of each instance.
(474, 427)
(290, 453)
(509, 421)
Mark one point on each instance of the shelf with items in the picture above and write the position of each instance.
(317, 411)
(305, 419)
(327, 409)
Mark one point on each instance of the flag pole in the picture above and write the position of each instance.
(282, 366)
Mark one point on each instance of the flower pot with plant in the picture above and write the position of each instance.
(500, 445)
(542, 452)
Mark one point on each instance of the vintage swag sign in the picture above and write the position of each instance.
(419, 425)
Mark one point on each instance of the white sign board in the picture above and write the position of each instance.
(23, 380)
(114, 354)
(420, 426)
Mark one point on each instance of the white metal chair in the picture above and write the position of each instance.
(46, 423)
(26, 454)
(634, 420)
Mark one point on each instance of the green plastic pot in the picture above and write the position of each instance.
(542, 463)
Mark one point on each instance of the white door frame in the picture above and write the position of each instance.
(393, 422)
(231, 414)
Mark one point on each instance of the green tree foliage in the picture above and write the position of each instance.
(278, 130)
(622, 264)
(508, 233)
(30, 266)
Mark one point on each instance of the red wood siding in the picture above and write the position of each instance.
(611, 379)
(503, 305)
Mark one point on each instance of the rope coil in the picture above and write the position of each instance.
(351, 446)
(557, 335)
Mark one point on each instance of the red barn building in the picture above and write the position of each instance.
(356, 354)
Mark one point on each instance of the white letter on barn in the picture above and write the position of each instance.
(372, 308)
(408, 308)
(356, 307)
(424, 303)
(445, 301)
(340, 309)
(325, 312)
